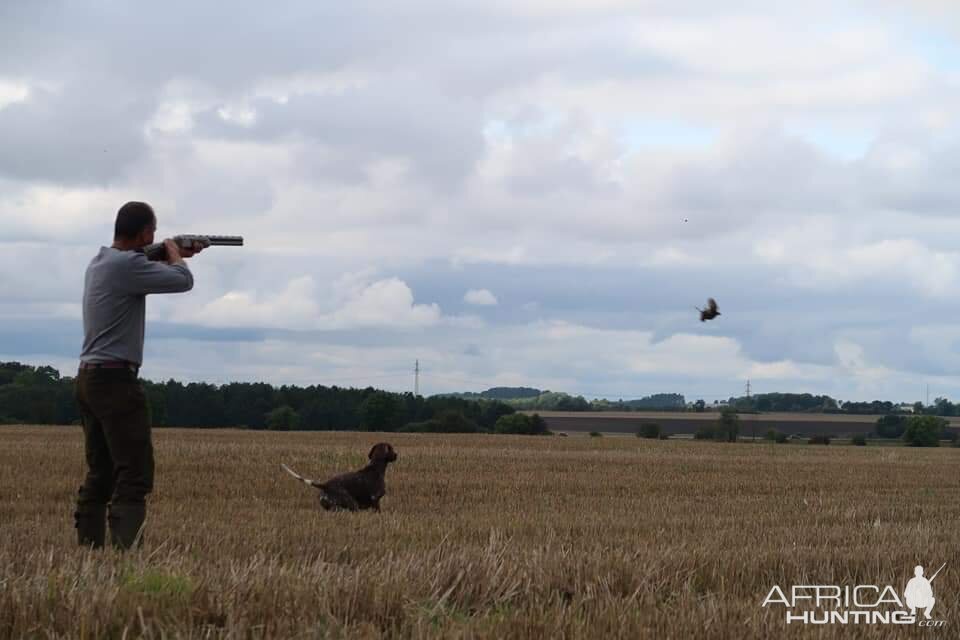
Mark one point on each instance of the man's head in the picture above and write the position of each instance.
(135, 225)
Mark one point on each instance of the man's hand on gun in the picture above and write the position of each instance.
(174, 249)
(175, 252)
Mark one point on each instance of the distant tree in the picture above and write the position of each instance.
(509, 393)
(891, 426)
(283, 418)
(490, 412)
(31, 396)
(728, 427)
(660, 401)
(700, 406)
(9, 371)
(943, 407)
(520, 423)
(924, 431)
(874, 407)
(795, 402)
(446, 422)
(380, 412)
(705, 432)
(551, 401)
(39, 376)
(249, 403)
(649, 430)
(570, 403)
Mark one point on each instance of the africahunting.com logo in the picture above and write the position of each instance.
(860, 604)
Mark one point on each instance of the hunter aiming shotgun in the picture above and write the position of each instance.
(118, 447)
(157, 251)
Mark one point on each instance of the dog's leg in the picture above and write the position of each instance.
(339, 498)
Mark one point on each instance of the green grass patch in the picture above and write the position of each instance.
(153, 582)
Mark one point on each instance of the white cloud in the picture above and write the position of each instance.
(358, 302)
(817, 178)
(385, 303)
(294, 307)
(12, 92)
(816, 256)
(480, 297)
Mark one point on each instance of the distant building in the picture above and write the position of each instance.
(905, 408)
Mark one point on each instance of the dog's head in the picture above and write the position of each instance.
(382, 451)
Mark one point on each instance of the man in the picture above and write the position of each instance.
(919, 593)
(117, 442)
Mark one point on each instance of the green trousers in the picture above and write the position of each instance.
(119, 455)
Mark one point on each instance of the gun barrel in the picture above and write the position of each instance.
(157, 251)
(937, 573)
(226, 241)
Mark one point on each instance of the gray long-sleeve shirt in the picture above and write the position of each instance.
(115, 288)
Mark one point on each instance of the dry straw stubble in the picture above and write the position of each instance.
(480, 536)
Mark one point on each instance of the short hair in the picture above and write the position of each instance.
(132, 218)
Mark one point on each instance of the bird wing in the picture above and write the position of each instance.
(712, 304)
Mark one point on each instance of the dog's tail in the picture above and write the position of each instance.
(306, 481)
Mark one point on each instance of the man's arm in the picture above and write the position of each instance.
(147, 276)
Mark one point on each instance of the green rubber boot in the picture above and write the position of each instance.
(126, 524)
(90, 521)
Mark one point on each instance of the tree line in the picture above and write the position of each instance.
(808, 403)
(40, 395)
(528, 399)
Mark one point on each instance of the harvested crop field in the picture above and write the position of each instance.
(480, 536)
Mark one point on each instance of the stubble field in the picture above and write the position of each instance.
(479, 537)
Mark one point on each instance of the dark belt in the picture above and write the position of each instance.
(111, 364)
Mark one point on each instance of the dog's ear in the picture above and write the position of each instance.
(373, 451)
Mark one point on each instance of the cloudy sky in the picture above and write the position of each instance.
(533, 193)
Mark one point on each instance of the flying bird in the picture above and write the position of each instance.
(710, 312)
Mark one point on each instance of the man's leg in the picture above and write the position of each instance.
(90, 516)
(127, 430)
(929, 608)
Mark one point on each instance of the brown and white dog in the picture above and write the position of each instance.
(355, 490)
